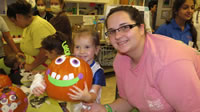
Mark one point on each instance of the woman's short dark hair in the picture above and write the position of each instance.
(132, 12)
(54, 42)
(19, 7)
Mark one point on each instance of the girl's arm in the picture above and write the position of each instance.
(93, 93)
(38, 85)
(85, 95)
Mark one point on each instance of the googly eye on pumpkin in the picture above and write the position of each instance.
(74, 62)
(12, 97)
(4, 101)
(60, 60)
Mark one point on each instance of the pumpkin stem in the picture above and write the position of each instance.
(66, 48)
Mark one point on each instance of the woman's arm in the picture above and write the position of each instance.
(39, 59)
(119, 105)
(7, 37)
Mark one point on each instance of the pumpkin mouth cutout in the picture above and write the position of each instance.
(68, 80)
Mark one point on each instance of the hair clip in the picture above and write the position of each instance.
(66, 48)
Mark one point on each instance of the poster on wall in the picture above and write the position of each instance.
(2, 7)
(144, 11)
(167, 4)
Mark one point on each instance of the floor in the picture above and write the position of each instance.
(109, 91)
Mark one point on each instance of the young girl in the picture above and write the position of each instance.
(86, 45)
(53, 48)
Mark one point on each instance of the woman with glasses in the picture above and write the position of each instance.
(154, 74)
(181, 27)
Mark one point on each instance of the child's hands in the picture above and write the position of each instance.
(79, 94)
(39, 89)
(38, 85)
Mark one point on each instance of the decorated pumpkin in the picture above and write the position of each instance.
(65, 72)
(5, 81)
(13, 99)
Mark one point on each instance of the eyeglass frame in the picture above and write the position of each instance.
(120, 28)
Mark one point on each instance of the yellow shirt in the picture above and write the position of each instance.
(32, 37)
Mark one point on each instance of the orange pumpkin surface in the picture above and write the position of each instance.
(5, 81)
(63, 73)
(13, 99)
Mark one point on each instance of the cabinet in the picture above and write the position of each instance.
(85, 7)
(86, 13)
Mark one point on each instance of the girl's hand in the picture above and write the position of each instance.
(37, 91)
(38, 85)
(79, 94)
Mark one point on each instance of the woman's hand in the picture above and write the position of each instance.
(28, 67)
(94, 107)
(79, 94)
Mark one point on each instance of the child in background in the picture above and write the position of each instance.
(13, 63)
(53, 48)
(86, 45)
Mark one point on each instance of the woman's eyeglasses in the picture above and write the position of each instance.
(122, 29)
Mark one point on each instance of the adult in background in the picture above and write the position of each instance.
(35, 29)
(153, 9)
(41, 10)
(154, 73)
(196, 21)
(5, 34)
(180, 27)
(60, 21)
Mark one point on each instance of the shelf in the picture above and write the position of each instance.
(108, 69)
(84, 8)
(88, 1)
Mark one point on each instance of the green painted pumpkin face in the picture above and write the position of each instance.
(63, 73)
(13, 99)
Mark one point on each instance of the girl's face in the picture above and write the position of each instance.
(126, 39)
(51, 54)
(56, 6)
(186, 10)
(84, 48)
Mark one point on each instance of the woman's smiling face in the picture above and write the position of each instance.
(128, 38)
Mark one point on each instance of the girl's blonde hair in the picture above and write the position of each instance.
(94, 34)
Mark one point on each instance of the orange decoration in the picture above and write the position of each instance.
(65, 72)
(5, 81)
(13, 99)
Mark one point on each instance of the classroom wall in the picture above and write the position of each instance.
(163, 11)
